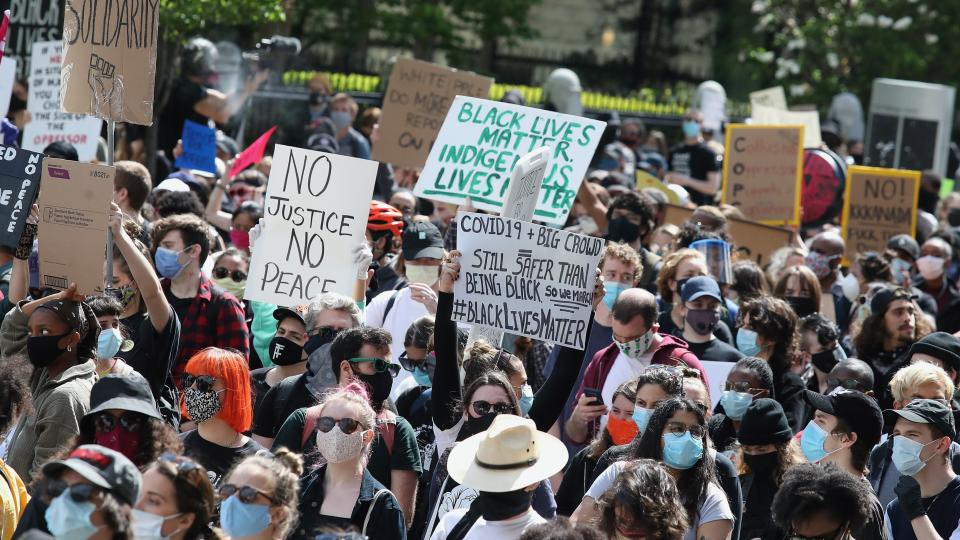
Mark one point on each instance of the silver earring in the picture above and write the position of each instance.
(69, 348)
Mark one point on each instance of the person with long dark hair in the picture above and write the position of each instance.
(176, 502)
(643, 503)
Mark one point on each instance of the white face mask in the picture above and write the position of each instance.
(930, 267)
(425, 274)
(337, 446)
(146, 526)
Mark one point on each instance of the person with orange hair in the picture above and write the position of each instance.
(216, 391)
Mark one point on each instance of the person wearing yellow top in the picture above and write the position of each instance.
(14, 399)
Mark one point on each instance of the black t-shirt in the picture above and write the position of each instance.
(280, 402)
(184, 95)
(153, 355)
(695, 161)
(218, 460)
(414, 405)
(943, 509)
(715, 351)
(259, 386)
(180, 305)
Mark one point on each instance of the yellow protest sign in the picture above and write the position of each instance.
(647, 180)
(877, 204)
(763, 171)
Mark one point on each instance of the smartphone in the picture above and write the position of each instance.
(595, 394)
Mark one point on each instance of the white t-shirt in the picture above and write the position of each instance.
(713, 508)
(510, 529)
(623, 369)
(405, 310)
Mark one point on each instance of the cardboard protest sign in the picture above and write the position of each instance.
(110, 59)
(647, 180)
(74, 206)
(763, 171)
(251, 154)
(49, 124)
(877, 204)
(716, 373)
(8, 73)
(199, 144)
(316, 214)
(752, 240)
(525, 279)
(19, 182)
(771, 97)
(417, 99)
(480, 142)
(810, 120)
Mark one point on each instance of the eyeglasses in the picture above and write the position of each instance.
(379, 365)
(347, 425)
(483, 408)
(204, 383)
(741, 386)
(327, 332)
(428, 364)
(246, 494)
(839, 533)
(679, 428)
(78, 492)
(129, 421)
(220, 272)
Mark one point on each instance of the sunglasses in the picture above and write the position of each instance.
(379, 365)
(428, 364)
(347, 425)
(840, 533)
(221, 272)
(246, 494)
(129, 421)
(185, 468)
(483, 408)
(679, 428)
(743, 387)
(78, 492)
(203, 383)
(849, 384)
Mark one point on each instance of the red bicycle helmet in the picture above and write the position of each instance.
(384, 217)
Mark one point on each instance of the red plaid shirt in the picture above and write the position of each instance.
(198, 331)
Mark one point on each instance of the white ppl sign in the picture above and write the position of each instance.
(49, 123)
(315, 215)
(525, 279)
(481, 141)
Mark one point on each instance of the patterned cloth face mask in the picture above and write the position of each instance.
(635, 348)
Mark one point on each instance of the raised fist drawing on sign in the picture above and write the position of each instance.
(104, 88)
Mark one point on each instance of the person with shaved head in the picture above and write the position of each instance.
(826, 252)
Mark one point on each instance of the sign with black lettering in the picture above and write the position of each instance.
(316, 214)
(31, 21)
(878, 203)
(416, 102)
(525, 279)
(763, 171)
(19, 182)
(110, 59)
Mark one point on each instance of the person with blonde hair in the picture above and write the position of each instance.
(678, 267)
(259, 496)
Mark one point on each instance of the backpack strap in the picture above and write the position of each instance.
(310, 424)
(387, 428)
(390, 302)
(281, 409)
(373, 502)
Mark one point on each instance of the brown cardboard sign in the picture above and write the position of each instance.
(877, 204)
(414, 106)
(110, 59)
(74, 205)
(763, 171)
(752, 240)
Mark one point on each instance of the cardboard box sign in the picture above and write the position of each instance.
(752, 240)
(763, 171)
(74, 206)
(417, 99)
(774, 97)
(110, 59)
(878, 203)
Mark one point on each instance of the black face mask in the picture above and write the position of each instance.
(44, 350)
(316, 341)
(802, 306)
(927, 201)
(472, 425)
(622, 229)
(284, 352)
(953, 217)
(824, 360)
(379, 385)
(761, 464)
(501, 506)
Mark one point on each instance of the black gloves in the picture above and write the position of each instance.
(908, 491)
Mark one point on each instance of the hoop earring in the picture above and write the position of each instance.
(69, 348)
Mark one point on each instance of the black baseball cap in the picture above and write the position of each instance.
(858, 410)
(700, 286)
(282, 313)
(940, 345)
(128, 392)
(104, 468)
(906, 244)
(882, 298)
(422, 239)
(924, 411)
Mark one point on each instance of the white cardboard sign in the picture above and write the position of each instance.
(810, 120)
(316, 214)
(525, 279)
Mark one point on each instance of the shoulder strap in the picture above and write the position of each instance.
(390, 302)
(373, 502)
(309, 424)
(387, 430)
(284, 390)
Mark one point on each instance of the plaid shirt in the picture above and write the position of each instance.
(228, 331)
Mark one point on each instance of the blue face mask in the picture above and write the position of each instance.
(167, 262)
(612, 290)
(812, 441)
(241, 519)
(747, 342)
(906, 455)
(681, 451)
(109, 342)
(526, 399)
(421, 376)
(69, 519)
(691, 128)
(735, 404)
(641, 417)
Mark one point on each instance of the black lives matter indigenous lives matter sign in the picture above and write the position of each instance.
(315, 214)
(19, 182)
(525, 279)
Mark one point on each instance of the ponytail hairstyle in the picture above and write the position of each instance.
(482, 358)
(284, 468)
